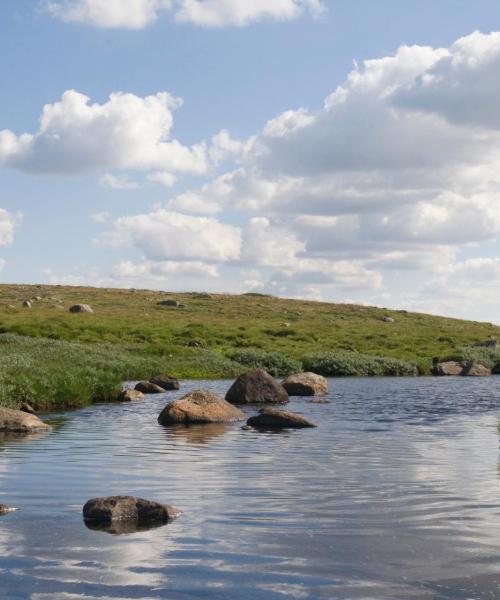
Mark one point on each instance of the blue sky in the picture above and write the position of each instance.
(388, 195)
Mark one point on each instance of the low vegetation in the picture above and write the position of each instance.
(51, 357)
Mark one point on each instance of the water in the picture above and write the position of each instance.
(395, 495)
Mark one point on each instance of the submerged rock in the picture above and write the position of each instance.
(200, 406)
(256, 386)
(273, 418)
(80, 308)
(306, 384)
(130, 396)
(4, 510)
(167, 382)
(127, 509)
(146, 387)
(17, 421)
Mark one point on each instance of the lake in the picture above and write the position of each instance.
(395, 495)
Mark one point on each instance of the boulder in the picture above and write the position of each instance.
(130, 396)
(17, 421)
(305, 384)
(172, 303)
(200, 406)
(80, 308)
(273, 418)
(448, 368)
(146, 387)
(6, 509)
(476, 370)
(387, 319)
(27, 408)
(26, 304)
(256, 386)
(167, 382)
(127, 508)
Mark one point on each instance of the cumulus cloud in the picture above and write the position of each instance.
(137, 14)
(126, 132)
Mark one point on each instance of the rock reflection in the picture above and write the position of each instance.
(21, 438)
(124, 527)
(199, 434)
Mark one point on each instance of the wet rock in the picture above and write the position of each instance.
(167, 382)
(130, 396)
(171, 303)
(137, 511)
(319, 401)
(200, 406)
(146, 387)
(448, 368)
(273, 418)
(80, 308)
(4, 510)
(476, 370)
(17, 421)
(27, 408)
(256, 386)
(305, 384)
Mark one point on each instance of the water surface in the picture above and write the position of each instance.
(395, 495)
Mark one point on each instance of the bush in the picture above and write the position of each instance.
(352, 364)
(275, 363)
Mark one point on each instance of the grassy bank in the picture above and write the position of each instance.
(53, 358)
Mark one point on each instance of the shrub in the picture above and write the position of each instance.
(352, 364)
(275, 363)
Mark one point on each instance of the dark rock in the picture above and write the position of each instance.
(80, 308)
(130, 396)
(17, 421)
(27, 408)
(27, 304)
(4, 510)
(146, 387)
(171, 303)
(167, 382)
(305, 384)
(127, 509)
(200, 406)
(123, 527)
(273, 418)
(256, 386)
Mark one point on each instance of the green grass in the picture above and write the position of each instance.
(71, 359)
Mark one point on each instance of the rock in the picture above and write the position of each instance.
(448, 368)
(476, 370)
(10, 306)
(256, 386)
(146, 387)
(80, 308)
(305, 384)
(37, 298)
(4, 510)
(247, 427)
(319, 401)
(27, 408)
(27, 304)
(173, 303)
(273, 418)
(129, 509)
(387, 319)
(130, 396)
(167, 382)
(17, 421)
(200, 406)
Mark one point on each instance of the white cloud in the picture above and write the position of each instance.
(125, 133)
(137, 14)
(8, 224)
(270, 246)
(160, 270)
(100, 217)
(115, 182)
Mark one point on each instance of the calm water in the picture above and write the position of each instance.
(395, 495)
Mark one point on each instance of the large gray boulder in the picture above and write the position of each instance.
(306, 384)
(146, 387)
(255, 387)
(200, 406)
(273, 418)
(80, 308)
(128, 508)
(17, 421)
(167, 382)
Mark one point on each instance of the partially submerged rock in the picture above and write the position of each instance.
(476, 370)
(128, 509)
(256, 386)
(167, 382)
(305, 384)
(273, 418)
(448, 368)
(130, 396)
(80, 308)
(17, 421)
(4, 510)
(146, 387)
(200, 406)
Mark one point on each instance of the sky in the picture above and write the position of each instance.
(338, 150)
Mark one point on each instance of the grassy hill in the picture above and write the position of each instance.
(216, 335)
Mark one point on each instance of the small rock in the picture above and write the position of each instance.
(200, 406)
(146, 387)
(130, 396)
(27, 408)
(387, 319)
(172, 303)
(319, 401)
(256, 386)
(272, 418)
(10, 306)
(128, 508)
(246, 427)
(27, 304)
(4, 510)
(17, 421)
(305, 384)
(167, 382)
(80, 308)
